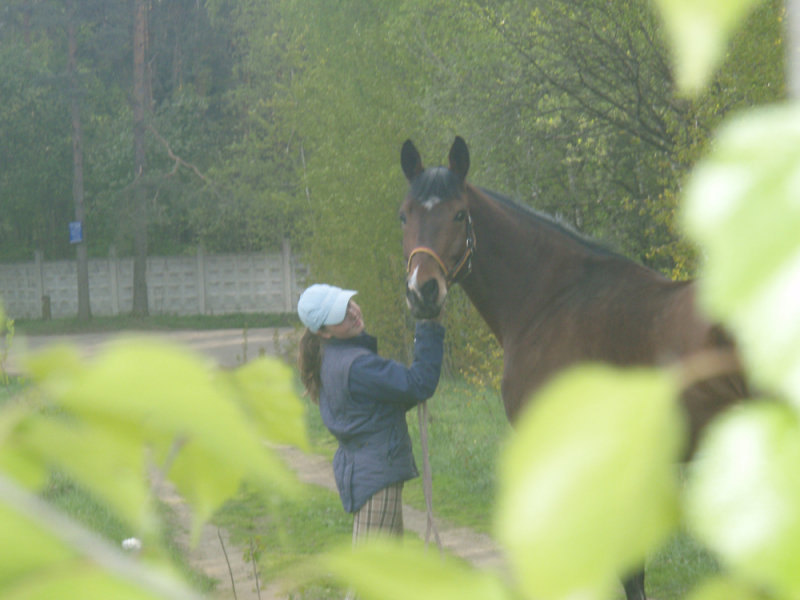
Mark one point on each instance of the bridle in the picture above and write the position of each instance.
(462, 268)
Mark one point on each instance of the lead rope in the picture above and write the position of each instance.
(427, 479)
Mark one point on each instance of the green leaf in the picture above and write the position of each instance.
(743, 496)
(15, 461)
(73, 580)
(698, 32)
(205, 481)
(743, 207)
(108, 461)
(54, 366)
(384, 569)
(140, 394)
(26, 548)
(588, 484)
(46, 555)
(266, 393)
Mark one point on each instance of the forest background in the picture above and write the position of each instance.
(231, 124)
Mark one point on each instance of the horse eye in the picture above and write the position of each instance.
(403, 218)
(461, 215)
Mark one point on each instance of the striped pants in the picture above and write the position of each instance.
(382, 514)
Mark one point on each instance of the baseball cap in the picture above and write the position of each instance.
(323, 304)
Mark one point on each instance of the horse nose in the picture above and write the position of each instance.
(429, 292)
(424, 296)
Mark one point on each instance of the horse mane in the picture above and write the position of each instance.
(541, 218)
(442, 183)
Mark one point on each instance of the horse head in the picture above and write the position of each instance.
(438, 239)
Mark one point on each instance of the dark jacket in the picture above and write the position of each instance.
(363, 401)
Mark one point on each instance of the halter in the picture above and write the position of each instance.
(462, 268)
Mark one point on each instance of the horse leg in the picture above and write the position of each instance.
(634, 586)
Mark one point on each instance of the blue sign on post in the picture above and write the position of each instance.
(75, 232)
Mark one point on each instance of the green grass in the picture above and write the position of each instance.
(466, 430)
(283, 535)
(159, 322)
(677, 567)
(10, 389)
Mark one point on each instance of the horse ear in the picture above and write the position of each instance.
(459, 158)
(410, 160)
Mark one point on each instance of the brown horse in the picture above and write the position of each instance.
(551, 297)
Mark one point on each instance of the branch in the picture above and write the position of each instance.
(180, 162)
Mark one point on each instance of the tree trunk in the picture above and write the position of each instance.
(140, 307)
(84, 306)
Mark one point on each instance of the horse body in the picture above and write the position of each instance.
(571, 301)
(551, 297)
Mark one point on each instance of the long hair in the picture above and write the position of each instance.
(309, 361)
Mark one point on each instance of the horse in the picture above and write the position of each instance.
(551, 297)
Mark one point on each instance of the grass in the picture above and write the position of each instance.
(283, 535)
(678, 567)
(465, 432)
(10, 389)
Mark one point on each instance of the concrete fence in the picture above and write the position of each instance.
(203, 284)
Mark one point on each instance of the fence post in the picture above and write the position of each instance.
(113, 279)
(288, 275)
(201, 281)
(38, 265)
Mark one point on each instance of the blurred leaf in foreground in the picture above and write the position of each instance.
(142, 396)
(588, 484)
(743, 497)
(385, 569)
(743, 207)
(698, 32)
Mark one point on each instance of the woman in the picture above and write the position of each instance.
(363, 399)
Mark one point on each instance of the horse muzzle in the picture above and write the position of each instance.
(426, 301)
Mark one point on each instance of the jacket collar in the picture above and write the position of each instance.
(362, 340)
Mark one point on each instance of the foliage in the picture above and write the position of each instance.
(139, 406)
(35, 150)
(746, 190)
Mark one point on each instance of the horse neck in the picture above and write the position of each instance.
(519, 264)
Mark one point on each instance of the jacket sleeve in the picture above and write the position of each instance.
(376, 378)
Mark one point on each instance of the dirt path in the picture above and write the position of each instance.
(217, 557)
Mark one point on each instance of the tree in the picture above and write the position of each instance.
(140, 106)
(84, 306)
